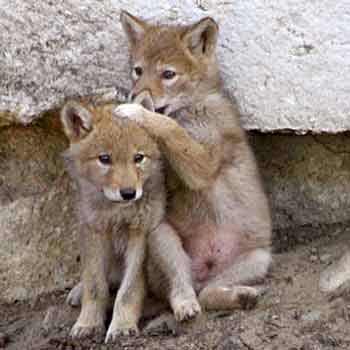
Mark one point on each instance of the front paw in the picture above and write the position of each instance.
(80, 331)
(90, 322)
(120, 329)
(131, 111)
(186, 307)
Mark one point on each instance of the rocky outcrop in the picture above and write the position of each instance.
(307, 177)
(38, 229)
(286, 62)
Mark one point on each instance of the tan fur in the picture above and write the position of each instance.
(217, 234)
(217, 230)
(114, 231)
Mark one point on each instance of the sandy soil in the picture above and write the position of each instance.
(292, 314)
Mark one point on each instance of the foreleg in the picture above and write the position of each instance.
(95, 259)
(169, 272)
(129, 301)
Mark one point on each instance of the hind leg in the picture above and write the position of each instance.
(169, 272)
(233, 289)
(335, 280)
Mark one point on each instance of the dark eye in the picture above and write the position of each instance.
(105, 159)
(168, 74)
(138, 71)
(138, 158)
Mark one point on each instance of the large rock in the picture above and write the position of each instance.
(287, 62)
(306, 177)
(38, 251)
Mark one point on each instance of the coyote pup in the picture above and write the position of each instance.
(216, 236)
(117, 168)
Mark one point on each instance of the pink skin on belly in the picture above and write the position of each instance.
(212, 250)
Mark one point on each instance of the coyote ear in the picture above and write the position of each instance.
(76, 121)
(145, 100)
(133, 27)
(201, 37)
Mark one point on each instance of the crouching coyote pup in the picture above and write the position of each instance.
(117, 168)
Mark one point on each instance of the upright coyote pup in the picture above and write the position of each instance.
(216, 237)
(117, 168)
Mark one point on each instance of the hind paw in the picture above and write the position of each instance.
(335, 280)
(229, 298)
(74, 296)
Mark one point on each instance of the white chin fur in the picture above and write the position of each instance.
(139, 193)
(113, 194)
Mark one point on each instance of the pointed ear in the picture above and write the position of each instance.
(145, 100)
(133, 27)
(201, 37)
(76, 121)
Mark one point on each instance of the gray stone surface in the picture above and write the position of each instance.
(307, 177)
(287, 62)
(38, 232)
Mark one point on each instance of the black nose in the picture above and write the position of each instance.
(161, 110)
(128, 193)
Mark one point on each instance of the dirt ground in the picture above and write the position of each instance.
(291, 315)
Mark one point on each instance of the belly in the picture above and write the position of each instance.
(212, 249)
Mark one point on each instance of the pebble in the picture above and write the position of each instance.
(231, 343)
(50, 318)
(325, 258)
(313, 258)
(311, 317)
(164, 323)
(250, 339)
